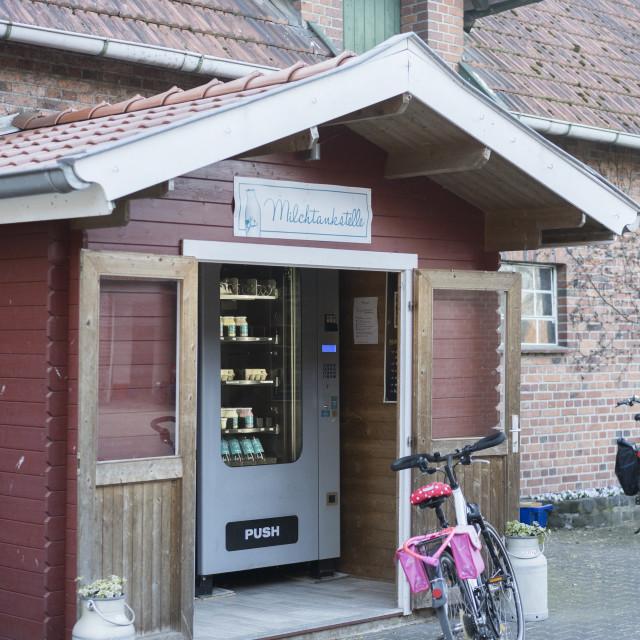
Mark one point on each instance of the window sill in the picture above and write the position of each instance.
(544, 350)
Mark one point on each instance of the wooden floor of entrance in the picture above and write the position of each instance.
(290, 606)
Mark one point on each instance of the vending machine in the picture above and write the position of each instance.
(268, 472)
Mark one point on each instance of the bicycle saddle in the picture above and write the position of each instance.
(431, 493)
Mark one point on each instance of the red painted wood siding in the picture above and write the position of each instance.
(33, 422)
(409, 216)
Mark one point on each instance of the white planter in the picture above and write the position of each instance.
(104, 619)
(530, 567)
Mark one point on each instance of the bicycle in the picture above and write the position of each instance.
(627, 467)
(473, 587)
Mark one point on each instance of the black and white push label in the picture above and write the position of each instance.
(268, 532)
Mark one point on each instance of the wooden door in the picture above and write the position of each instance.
(136, 433)
(467, 380)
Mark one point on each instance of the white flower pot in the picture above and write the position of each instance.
(104, 619)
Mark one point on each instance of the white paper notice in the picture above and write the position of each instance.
(365, 320)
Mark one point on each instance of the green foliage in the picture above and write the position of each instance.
(105, 588)
(522, 530)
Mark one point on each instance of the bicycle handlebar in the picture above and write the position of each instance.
(629, 401)
(420, 460)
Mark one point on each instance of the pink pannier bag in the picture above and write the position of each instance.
(414, 569)
(466, 546)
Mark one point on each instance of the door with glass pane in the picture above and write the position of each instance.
(136, 433)
(467, 379)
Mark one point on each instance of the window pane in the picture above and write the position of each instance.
(543, 279)
(544, 304)
(468, 361)
(529, 331)
(137, 369)
(546, 332)
(528, 307)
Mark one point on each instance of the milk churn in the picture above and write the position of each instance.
(530, 567)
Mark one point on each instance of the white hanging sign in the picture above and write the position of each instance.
(301, 211)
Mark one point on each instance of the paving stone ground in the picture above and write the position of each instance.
(593, 589)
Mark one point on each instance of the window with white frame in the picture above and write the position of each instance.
(539, 303)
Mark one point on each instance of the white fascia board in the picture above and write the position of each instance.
(137, 162)
(319, 258)
(56, 206)
(452, 97)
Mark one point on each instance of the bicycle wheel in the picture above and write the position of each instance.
(459, 605)
(503, 607)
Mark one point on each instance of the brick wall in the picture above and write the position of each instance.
(568, 414)
(439, 23)
(49, 80)
(327, 14)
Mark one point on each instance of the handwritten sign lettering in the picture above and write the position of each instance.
(303, 211)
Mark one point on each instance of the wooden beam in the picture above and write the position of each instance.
(432, 161)
(521, 229)
(119, 217)
(301, 141)
(392, 107)
(575, 237)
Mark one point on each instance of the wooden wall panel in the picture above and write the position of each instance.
(368, 441)
(33, 420)
(411, 216)
(138, 540)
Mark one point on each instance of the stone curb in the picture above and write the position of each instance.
(592, 512)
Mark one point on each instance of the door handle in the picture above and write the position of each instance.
(515, 430)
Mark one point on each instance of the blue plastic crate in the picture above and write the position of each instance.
(529, 515)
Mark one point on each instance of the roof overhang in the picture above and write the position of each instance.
(402, 97)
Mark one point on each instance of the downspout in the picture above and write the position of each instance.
(561, 128)
(186, 61)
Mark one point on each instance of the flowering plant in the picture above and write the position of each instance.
(521, 530)
(559, 496)
(105, 588)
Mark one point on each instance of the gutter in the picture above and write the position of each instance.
(561, 128)
(177, 59)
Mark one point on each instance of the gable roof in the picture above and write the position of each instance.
(255, 32)
(570, 60)
(400, 95)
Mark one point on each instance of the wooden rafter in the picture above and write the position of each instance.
(436, 160)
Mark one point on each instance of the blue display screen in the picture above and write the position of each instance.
(329, 348)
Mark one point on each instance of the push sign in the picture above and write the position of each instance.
(267, 532)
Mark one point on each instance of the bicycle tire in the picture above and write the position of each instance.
(503, 606)
(459, 601)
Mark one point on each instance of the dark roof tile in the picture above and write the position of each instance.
(565, 59)
(242, 30)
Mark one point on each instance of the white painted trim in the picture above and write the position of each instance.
(405, 396)
(250, 253)
(405, 263)
(56, 206)
(137, 52)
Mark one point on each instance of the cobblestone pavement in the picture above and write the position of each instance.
(593, 589)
